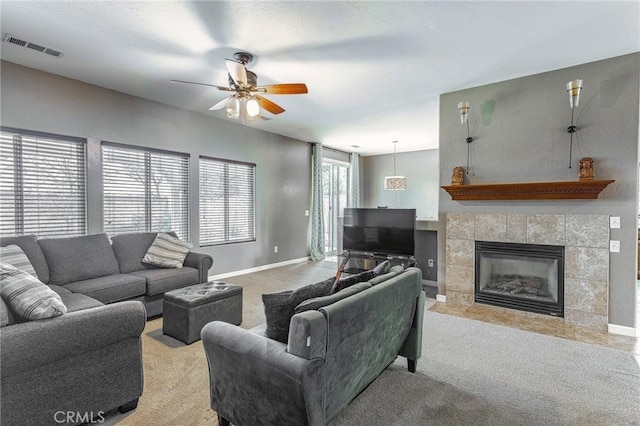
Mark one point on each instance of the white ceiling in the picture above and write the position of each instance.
(374, 69)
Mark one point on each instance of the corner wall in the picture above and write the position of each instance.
(35, 100)
(519, 130)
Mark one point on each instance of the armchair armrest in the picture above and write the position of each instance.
(254, 380)
(68, 335)
(202, 262)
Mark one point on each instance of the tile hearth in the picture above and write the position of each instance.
(586, 277)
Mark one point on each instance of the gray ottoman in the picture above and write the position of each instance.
(188, 309)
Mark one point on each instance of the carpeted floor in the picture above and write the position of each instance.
(470, 373)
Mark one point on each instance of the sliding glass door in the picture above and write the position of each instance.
(335, 181)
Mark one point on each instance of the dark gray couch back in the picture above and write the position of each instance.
(129, 250)
(30, 247)
(365, 333)
(78, 258)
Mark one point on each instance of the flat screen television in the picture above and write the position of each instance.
(380, 231)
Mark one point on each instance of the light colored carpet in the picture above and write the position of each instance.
(470, 373)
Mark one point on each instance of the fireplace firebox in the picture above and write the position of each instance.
(528, 277)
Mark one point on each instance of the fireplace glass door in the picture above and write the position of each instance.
(527, 277)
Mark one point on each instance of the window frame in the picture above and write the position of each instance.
(148, 154)
(79, 205)
(226, 240)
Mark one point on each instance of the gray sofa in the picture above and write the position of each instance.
(75, 367)
(110, 271)
(334, 351)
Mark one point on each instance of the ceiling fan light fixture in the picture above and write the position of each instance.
(233, 107)
(253, 107)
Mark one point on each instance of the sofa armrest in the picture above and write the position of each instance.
(202, 262)
(254, 380)
(27, 346)
(412, 347)
(308, 335)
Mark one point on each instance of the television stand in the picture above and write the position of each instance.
(364, 261)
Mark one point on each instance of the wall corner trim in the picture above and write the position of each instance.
(623, 330)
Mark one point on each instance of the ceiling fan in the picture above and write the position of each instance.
(246, 103)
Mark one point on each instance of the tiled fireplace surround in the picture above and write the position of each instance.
(586, 242)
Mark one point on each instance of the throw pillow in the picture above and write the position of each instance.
(318, 302)
(167, 252)
(13, 255)
(279, 307)
(27, 297)
(361, 277)
(396, 270)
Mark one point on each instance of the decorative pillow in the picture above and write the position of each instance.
(13, 255)
(167, 251)
(318, 302)
(361, 277)
(279, 307)
(6, 318)
(396, 270)
(27, 297)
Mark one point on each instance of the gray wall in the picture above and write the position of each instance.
(421, 170)
(525, 139)
(39, 101)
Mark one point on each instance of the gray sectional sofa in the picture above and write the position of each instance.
(89, 360)
(109, 271)
(337, 345)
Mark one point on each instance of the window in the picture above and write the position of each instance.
(42, 184)
(227, 201)
(145, 190)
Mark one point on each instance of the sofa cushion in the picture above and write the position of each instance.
(279, 307)
(27, 297)
(110, 288)
(77, 302)
(318, 302)
(382, 268)
(130, 248)
(13, 255)
(30, 247)
(167, 251)
(396, 270)
(160, 281)
(79, 258)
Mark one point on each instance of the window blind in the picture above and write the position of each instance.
(227, 201)
(42, 184)
(145, 190)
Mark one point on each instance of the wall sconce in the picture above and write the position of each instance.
(395, 182)
(463, 109)
(573, 89)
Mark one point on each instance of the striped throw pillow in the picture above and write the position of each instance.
(27, 297)
(13, 255)
(167, 252)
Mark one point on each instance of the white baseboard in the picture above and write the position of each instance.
(623, 330)
(441, 298)
(257, 269)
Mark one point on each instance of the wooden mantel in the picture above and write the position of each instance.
(572, 190)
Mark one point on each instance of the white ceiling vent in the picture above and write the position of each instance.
(8, 38)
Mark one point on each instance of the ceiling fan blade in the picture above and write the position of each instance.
(284, 89)
(237, 71)
(220, 104)
(272, 107)
(226, 89)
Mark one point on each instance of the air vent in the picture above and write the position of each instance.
(8, 38)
